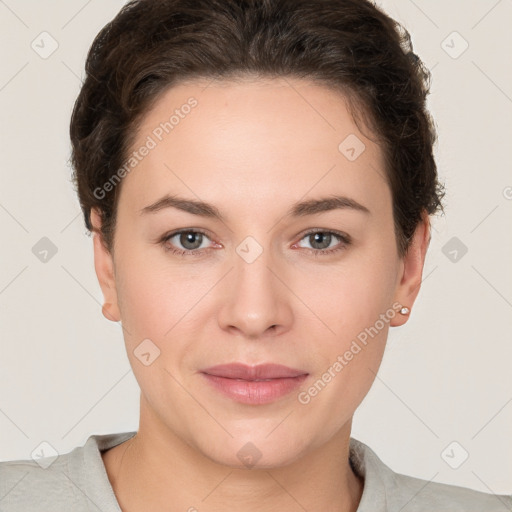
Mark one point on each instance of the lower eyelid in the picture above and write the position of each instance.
(167, 239)
(344, 240)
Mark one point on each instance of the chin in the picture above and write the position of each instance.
(255, 451)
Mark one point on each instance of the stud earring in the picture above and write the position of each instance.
(405, 311)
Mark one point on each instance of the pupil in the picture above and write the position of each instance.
(321, 236)
(187, 238)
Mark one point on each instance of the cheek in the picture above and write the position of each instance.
(347, 363)
(160, 304)
(151, 293)
(153, 312)
(141, 303)
(356, 309)
(355, 306)
(352, 296)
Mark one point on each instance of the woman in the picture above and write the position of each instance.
(259, 178)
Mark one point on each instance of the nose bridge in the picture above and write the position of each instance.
(254, 301)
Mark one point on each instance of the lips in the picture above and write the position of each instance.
(253, 373)
(255, 385)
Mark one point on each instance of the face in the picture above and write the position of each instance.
(264, 271)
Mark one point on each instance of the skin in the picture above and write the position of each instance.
(252, 149)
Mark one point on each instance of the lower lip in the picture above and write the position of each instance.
(255, 392)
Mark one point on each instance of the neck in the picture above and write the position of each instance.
(156, 468)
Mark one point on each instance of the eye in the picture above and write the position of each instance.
(322, 240)
(190, 239)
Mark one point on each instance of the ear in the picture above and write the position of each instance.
(412, 269)
(104, 266)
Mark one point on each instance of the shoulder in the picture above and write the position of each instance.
(418, 495)
(386, 490)
(25, 485)
(75, 481)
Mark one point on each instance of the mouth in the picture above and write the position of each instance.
(255, 385)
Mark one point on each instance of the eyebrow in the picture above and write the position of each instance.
(300, 209)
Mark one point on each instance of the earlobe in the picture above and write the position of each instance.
(106, 311)
(412, 273)
(104, 267)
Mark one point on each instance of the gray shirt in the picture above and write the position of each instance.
(77, 482)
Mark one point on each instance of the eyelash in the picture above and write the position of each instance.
(345, 241)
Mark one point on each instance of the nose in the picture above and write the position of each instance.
(255, 302)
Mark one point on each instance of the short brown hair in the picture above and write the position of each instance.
(349, 45)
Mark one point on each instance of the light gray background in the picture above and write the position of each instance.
(446, 375)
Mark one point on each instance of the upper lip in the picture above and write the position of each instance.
(258, 372)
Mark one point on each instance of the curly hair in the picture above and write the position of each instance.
(349, 45)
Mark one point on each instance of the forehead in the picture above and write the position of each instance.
(254, 139)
